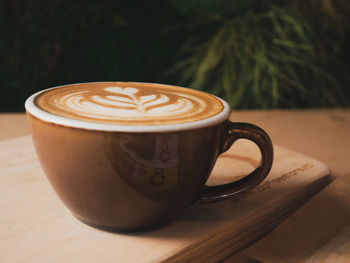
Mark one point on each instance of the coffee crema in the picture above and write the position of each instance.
(129, 103)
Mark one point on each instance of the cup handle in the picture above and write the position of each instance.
(235, 131)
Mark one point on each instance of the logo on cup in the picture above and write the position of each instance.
(152, 167)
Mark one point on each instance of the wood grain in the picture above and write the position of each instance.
(36, 227)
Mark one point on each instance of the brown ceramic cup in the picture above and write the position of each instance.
(109, 177)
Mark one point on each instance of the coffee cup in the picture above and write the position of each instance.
(128, 156)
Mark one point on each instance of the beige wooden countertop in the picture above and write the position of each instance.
(320, 230)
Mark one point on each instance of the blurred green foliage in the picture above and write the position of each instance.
(276, 55)
(255, 54)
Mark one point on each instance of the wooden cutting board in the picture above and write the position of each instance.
(36, 227)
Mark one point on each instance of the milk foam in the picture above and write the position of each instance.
(132, 105)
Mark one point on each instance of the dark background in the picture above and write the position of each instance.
(255, 54)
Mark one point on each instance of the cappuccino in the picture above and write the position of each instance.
(129, 103)
(129, 156)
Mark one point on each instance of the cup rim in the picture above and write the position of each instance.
(35, 111)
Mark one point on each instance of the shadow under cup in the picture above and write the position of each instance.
(128, 181)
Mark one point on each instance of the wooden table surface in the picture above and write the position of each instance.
(320, 230)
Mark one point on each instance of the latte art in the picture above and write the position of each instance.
(129, 103)
(125, 102)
